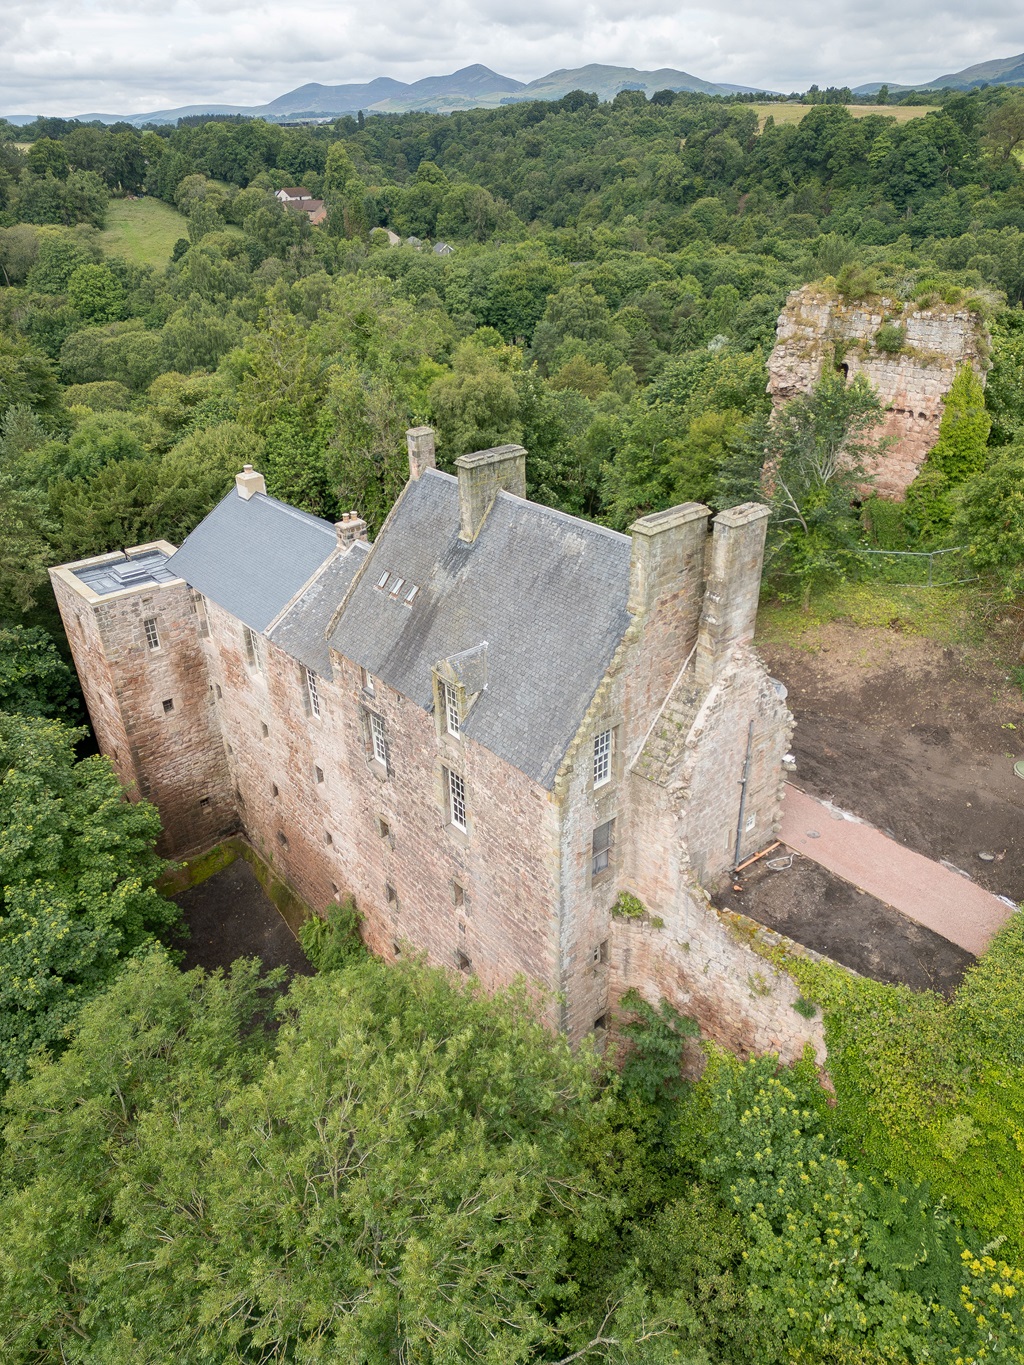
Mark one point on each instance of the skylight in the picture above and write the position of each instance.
(396, 586)
(383, 578)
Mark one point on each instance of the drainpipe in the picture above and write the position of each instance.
(743, 794)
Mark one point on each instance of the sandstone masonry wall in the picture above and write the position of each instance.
(911, 385)
(152, 708)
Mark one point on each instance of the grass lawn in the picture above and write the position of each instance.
(143, 231)
(793, 113)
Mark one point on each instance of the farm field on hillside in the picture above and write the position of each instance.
(143, 231)
(793, 113)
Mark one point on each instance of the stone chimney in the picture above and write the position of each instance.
(249, 482)
(350, 528)
(667, 553)
(481, 478)
(421, 450)
(734, 586)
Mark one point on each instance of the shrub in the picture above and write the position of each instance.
(333, 940)
(890, 339)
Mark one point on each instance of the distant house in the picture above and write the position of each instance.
(393, 238)
(443, 249)
(301, 201)
(413, 241)
(293, 194)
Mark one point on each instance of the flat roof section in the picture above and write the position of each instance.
(130, 571)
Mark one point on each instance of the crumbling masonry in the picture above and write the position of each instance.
(816, 329)
(486, 727)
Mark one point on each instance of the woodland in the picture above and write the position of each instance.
(375, 1164)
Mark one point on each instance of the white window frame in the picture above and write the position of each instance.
(252, 649)
(450, 708)
(314, 695)
(602, 767)
(456, 800)
(152, 633)
(378, 739)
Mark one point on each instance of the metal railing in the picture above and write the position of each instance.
(929, 578)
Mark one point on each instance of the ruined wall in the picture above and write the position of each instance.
(700, 963)
(911, 385)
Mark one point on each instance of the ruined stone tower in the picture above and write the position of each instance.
(817, 329)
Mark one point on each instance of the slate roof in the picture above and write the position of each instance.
(130, 571)
(251, 556)
(545, 591)
(302, 630)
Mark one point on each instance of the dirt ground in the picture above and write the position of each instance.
(915, 737)
(811, 905)
(230, 916)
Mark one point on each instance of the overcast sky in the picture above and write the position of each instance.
(129, 56)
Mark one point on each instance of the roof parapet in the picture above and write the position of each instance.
(482, 476)
(249, 482)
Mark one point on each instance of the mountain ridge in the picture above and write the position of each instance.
(471, 87)
(999, 71)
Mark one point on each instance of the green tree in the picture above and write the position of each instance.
(96, 293)
(989, 518)
(48, 157)
(477, 405)
(394, 1186)
(77, 869)
(34, 679)
(25, 553)
(815, 453)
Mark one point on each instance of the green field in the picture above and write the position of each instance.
(143, 231)
(793, 113)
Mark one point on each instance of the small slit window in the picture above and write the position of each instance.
(328, 837)
(318, 773)
(602, 758)
(458, 894)
(204, 803)
(314, 693)
(152, 634)
(383, 828)
(462, 961)
(392, 896)
(168, 706)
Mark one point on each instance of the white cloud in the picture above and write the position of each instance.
(127, 56)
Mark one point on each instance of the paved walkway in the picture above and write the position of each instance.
(919, 888)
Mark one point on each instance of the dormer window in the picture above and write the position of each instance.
(449, 699)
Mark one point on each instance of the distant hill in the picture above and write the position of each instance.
(1002, 71)
(473, 87)
(607, 81)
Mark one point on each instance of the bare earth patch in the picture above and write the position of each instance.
(917, 737)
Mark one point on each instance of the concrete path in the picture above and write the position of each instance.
(919, 888)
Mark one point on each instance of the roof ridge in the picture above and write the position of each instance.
(309, 517)
(559, 515)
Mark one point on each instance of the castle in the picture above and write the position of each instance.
(523, 742)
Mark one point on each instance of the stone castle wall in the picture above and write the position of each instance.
(152, 708)
(817, 329)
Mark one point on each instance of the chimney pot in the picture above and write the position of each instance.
(482, 476)
(420, 441)
(249, 482)
(349, 529)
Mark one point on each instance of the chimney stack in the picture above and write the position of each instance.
(667, 555)
(481, 478)
(734, 586)
(249, 482)
(420, 441)
(350, 528)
